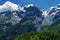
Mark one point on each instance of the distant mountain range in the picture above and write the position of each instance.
(15, 19)
(10, 12)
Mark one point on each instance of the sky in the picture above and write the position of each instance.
(44, 4)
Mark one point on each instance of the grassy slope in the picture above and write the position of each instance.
(45, 35)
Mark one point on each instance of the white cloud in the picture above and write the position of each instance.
(12, 7)
(9, 6)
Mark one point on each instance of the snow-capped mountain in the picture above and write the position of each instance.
(10, 12)
(54, 12)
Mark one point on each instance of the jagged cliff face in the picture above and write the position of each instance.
(13, 13)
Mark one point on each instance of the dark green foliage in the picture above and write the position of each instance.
(45, 35)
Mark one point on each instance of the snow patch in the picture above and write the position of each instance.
(28, 5)
(45, 13)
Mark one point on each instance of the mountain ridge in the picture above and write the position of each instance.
(39, 17)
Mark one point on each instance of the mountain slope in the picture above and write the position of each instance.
(39, 17)
(55, 26)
